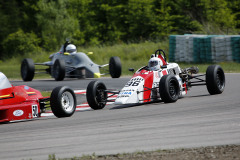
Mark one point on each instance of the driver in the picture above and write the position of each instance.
(154, 63)
(71, 48)
(4, 83)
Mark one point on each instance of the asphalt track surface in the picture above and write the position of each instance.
(196, 120)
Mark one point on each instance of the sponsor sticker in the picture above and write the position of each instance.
(18, 113)
(125, 94)
(26, 87)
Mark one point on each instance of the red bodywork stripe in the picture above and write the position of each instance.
(164, 62)
(84, 92)
(164, 72)
(148, 81)
(185, 86)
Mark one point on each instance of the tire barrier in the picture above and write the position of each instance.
(204, 48)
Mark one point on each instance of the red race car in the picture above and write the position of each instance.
(24, 103)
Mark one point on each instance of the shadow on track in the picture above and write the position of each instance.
(134, 105)
(203, 95)
(157, 101)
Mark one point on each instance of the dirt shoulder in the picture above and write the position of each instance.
(226, 152)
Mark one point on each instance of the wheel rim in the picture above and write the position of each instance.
(172, 89)
(220, 80)
(67, 101)
(101, 96)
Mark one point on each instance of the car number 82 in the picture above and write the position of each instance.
(34, 111)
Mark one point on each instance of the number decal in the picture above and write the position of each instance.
(134, 82)
(131, 83)
(34, 111)
(155, 84)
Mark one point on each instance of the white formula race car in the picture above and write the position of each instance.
(157, 81)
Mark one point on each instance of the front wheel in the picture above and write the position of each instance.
(215, 79)
(115, 67)
(169, 89)
(59, 70)
(27, 69)
(96, 95)
(63, 101)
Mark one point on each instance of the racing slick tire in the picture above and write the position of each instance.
(215, 79)
(169, 88)
(96, 95)
(63, 101)
(27, 69)
(115, 67)
(59, 70)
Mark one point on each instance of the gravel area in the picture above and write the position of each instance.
(226, 152)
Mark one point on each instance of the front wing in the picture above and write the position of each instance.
(23, 111)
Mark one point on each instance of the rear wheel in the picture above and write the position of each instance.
(59, 70)
(96, 95)
(27, 69)
(115, 67)
(169, 89)
(63, 102)
(215, 79)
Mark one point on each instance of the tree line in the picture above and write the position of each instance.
(27, 26)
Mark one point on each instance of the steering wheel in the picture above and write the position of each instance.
(162, 53)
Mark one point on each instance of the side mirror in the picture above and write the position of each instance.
(89, 53)
(66, 53)
(131, 69)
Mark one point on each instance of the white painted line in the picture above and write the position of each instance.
(79, 91)
(80, 107)
(47, 114)
(83, 109)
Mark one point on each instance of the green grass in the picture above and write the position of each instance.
(131, 55)
(46, 93)
(228, 67)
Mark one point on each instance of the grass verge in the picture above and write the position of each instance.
(46, 93)
(131, 55)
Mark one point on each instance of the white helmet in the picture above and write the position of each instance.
(71, 48)
(154, 63)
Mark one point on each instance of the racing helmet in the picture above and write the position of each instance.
(71, 48)
(154, 63)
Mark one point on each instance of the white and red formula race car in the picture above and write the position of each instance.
(158, 81)
(24, 103)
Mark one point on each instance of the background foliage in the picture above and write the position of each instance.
(30, 25)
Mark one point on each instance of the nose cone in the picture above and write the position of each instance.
(127, 97)
(120, 101)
